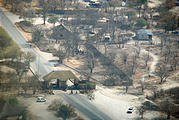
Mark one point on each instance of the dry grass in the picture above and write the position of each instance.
(6, 69)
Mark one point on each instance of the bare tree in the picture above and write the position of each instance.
(137, 4)
(91, 61)
(167, 52)
(162, 72)
(55, 4)
(173, 60)
(28, 58)
(27, 14)
(167, 107)
(142, 84)
(112, 56)
(124, 57)
(45, 6)
(141, 110)
(146, 58)
(34, 82)
(134, 64)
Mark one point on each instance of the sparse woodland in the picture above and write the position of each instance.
(121, 61)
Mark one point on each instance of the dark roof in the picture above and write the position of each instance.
(61, 75)
(62, 27)
(61, 32)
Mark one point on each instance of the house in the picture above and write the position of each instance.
(60, 79)
(144, 34)
(61, 32)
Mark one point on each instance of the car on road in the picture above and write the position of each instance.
(41, 99)
(130, 110)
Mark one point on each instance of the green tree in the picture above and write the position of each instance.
(12, 52)
(53, 19)
(66, 111)
(60, 54)
(5, 40)
(130, 14)
(141, 23)
(36, 36)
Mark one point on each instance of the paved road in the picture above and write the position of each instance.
(43, 67)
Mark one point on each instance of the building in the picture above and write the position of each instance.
(60, 79)
(61, 32)
(144, 34)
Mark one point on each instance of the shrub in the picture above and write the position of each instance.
(55, 105)
(141, 23)
(13, 101)
(66, 111)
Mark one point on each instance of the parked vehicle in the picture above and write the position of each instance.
(130, 110)
(41, 99)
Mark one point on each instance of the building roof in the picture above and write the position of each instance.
(144, 31)
(61, 75)
(61, 32)
(63, 27)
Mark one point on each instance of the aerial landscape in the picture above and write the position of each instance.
(89, 59)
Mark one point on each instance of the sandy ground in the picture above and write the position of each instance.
(154, 3)
(39, 110)
(115, 103)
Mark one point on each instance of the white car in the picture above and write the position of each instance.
(41, 99)
(130, 110)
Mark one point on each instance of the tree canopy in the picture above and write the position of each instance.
(53, 19)
(66, 111)
(8, 48)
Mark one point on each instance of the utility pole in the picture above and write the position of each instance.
(38, 64)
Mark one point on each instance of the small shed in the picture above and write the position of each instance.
(144, 34)
(60, 79)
